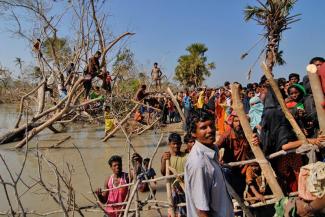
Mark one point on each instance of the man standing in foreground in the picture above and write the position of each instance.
(205, 185)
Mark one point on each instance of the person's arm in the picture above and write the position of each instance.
(256, 193)
(292, 145)
(102, 196)
(298, 143)
(165, 156)
(308, 209)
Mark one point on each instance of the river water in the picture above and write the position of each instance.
(95, 153)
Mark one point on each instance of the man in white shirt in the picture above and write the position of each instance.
(205, 185)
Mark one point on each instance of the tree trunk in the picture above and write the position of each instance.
(50, 121)
(18, 133)
(264, 164)
(41, 99)
(318, 95)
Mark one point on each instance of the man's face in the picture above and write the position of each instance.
(116, 167)
(205, 132)
(175, 146)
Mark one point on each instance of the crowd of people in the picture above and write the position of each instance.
(214, 137)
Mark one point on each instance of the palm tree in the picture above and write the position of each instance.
(275, 17)
(193, 68)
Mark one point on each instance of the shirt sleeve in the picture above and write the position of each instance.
(199, 187)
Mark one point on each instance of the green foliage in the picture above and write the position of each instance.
(58, 47)
(130, 85)
(124, 65)
(193, 67)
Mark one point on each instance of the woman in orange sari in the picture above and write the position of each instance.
(220, 113)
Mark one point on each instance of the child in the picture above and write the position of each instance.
(255, 184)
(109, 121)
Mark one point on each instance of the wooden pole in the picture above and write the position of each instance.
(317, 94)
(176, 104)
(264, 164)
(300, 135)
(169, 191)
(134, 190)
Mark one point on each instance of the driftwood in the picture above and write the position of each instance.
(264, 164)
(149, 127)
(17, 134)
(60, 142)
(148, 106)
(317, 94)
(120, 124)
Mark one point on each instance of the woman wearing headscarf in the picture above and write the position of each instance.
(255, 112)
(277, 134)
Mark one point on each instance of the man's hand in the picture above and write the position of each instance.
(255, 140)
(303, 209)
(166, 155)
(260, 197)
(317, 141)
(98, 192)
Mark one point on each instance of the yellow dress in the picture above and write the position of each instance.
(109, 122)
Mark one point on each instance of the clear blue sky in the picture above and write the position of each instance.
(164, 28)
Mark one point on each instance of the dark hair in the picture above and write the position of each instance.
(143, 86)
(174, 137)
(300, 89)
(187, 138)
(115, 158)
(146, 160)
(156, 63)
(227, 83)
(263, 79)
(282, 81)
(195, 117)
(294, 75)
(313, 60)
